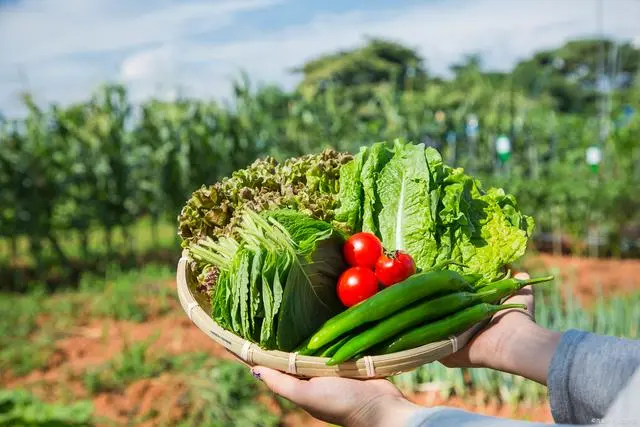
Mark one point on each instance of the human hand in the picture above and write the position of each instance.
(511, 342)
(488, 344)
(343, 401)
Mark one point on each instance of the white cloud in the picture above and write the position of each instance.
(36, 31)
(154, 46)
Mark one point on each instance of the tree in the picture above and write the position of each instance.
(570, 73)
(378, 62)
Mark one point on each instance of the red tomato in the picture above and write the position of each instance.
(362, 250)
(356, 284)
(395, 268)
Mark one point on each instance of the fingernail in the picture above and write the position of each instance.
(256, 374)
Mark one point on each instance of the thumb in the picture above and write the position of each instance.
(285, 385)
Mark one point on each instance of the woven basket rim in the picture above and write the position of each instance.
(251, 354)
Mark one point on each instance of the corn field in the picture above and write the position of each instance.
(105, 163)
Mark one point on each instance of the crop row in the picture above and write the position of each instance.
(105, 162)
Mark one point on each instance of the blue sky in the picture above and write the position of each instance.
(62, 49)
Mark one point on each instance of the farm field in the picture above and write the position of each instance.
(121, 345)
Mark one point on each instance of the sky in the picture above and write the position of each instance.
(61, 50)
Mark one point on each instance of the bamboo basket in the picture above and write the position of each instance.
(197, 307)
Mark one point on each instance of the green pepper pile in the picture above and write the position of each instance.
(427, 307)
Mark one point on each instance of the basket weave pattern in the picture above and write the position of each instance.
(309, 366)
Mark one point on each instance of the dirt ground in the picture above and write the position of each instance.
(586, 276)
(162, 397)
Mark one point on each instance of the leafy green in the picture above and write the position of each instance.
(405, 219)
(267, 299)
(243, 285)
(279, 286)
(219, 300)
(415, 202)
(256, 308)
(307, 184)
(309, 295)
(379, 155)
(350, 194)
(303, 230)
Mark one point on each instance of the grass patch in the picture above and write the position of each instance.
(126, 295)
(20, 408)
(23, 345)
(136, 363)
(226, 395)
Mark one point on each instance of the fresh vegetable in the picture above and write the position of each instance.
(330, 349)
(444, 328)
(355, 285)
(349, 213)
(419, 313)
(281, 272)
(473, 278)
(362, 250)
(395, 268)
(388, 301)
(307, 184)
(416, 203)
(271, 245)
(507, 287)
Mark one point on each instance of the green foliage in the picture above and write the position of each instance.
(122, 293)
(136, 362)
(104, 163)
(18, 408)
(226, 396)
(359, 70)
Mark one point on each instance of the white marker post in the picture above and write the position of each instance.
(472, 136)
(593, 158)
(503, 148)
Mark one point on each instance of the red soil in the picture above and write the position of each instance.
(585, 275)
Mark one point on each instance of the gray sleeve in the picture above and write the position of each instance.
(586, 374)
(449, 417)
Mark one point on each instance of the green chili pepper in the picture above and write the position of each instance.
(507, 287)
(444, 328)
(304, 350)
(329, 350)
(419, 313)
(388, 301)
(472, 278)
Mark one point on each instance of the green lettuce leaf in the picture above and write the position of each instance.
(303, 230)
(350, 194)
(310, 297)
(219, 300)
(484, 232)
(379, 156)
(405, 218)
(255, 295)
(268, 273)
(243, 283)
